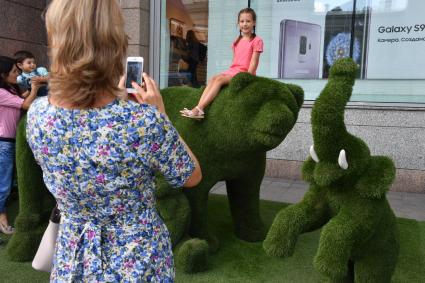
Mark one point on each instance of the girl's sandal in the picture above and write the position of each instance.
(190, 114)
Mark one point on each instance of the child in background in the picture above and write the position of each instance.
(25, 61)
(246, 54)
(10, 112)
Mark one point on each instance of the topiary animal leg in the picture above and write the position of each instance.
(198, 201)
(191, 256)
(307, 215)
(342, 233)
(24, 243)
(379, 263)
(244, 201)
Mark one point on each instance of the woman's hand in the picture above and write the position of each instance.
(121, 83)
(29, 98)
(40, 79)
(150, 95)
(35, 83)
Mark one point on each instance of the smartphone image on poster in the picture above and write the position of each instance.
(134, 70)
(339, 24)
(299, 50)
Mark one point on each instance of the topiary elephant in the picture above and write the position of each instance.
(347, 191)
(249, 117)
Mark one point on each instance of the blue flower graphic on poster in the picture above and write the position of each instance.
(339, 47)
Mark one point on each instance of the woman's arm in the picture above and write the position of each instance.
(152, 96)
(31, 96)
(25, 94)
(196, 176)
(254, 62)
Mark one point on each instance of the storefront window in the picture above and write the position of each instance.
(386, 39)
(302, 39)
(196, 36)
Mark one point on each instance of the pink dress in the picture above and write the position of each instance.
(242, 55)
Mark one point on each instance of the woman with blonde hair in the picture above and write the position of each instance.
(99, 151)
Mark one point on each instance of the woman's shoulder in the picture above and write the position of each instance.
(38, 105)
(137, 109)
(4, 91)
(143, 118)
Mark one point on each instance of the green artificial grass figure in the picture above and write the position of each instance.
(347, 191)
(35, 203)
(250, 116)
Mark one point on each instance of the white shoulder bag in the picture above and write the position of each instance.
(43, 260)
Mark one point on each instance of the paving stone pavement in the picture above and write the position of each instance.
(406, 205)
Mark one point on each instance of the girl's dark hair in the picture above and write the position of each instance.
(254, 18)
(6, 65)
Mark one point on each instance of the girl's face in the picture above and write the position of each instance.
(12, 76)
(246, 23)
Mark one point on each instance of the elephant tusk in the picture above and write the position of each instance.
(342, 160)
(313, 154)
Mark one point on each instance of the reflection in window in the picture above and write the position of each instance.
(188, 38)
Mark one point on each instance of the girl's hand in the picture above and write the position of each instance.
(150, 95)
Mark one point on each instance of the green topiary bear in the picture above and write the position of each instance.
(346, 196)
(249, 117)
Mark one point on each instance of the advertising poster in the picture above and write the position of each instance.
(296, 40)
(384, 37)
(397, 40)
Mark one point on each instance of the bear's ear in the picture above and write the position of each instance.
(377, 178)
(240, 81)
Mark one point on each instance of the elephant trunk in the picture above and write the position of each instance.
(327, 118)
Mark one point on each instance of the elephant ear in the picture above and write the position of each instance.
(377, 178)
(240, 81)
(308, 170)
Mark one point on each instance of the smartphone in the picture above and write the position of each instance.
(299, 50)
(133, 70)
(338, 41)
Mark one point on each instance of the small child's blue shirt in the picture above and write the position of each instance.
(24, 80)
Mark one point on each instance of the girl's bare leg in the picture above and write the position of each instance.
(211, 91)
(3, 219)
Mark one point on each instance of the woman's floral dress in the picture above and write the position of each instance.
(100, 164)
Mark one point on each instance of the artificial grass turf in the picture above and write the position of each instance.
(239, 261)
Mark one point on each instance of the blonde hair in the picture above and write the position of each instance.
(87, 47)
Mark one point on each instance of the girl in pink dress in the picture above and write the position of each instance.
(246, 54)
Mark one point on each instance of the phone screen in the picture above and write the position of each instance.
(134, 73)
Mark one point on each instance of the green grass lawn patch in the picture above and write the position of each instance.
(239, 261)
